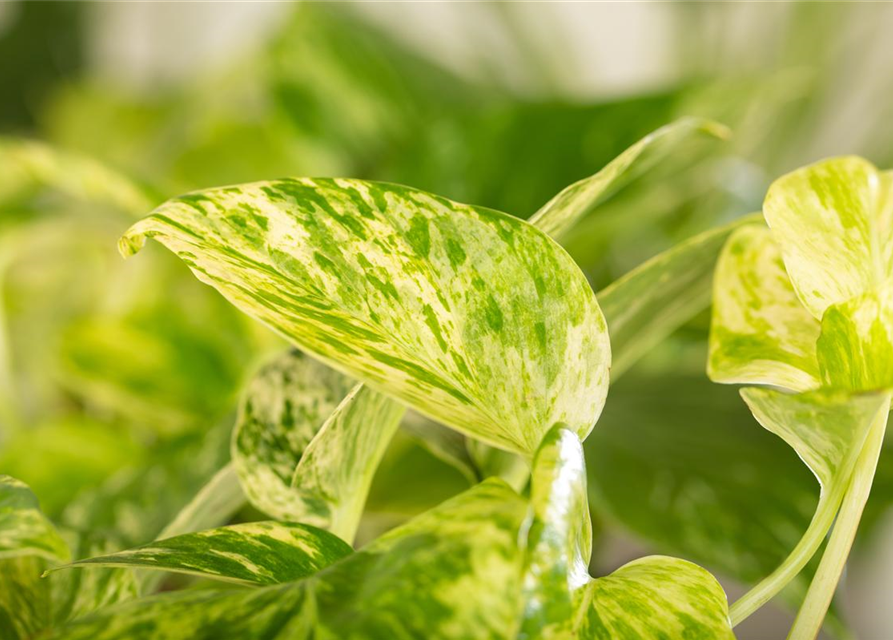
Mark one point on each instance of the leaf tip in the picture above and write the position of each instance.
(130, 243)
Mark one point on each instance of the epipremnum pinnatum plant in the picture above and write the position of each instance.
(398, 298)
(803, 309)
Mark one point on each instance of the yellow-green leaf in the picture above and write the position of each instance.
(24, 530)
(471, 316)
(558, 216)
(760, 332)
(252, 553)
(833, 221)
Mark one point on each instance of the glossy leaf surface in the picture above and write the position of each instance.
(670, 597)
(471, 316)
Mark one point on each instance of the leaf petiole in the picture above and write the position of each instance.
(821, 590)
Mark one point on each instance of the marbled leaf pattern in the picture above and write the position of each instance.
(261, 553)
(24, 530)
(471, 316)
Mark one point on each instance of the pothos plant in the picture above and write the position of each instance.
(480, 323)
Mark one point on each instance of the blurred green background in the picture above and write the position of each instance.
(118, 381)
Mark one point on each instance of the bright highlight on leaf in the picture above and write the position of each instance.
(471, 316)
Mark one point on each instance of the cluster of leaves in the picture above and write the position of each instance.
(472, 318)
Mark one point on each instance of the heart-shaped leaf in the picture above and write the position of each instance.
(253, 553)
(833, 221)
(471, 316)
(760, 332)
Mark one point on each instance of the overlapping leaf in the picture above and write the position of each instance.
(472, 317)
(834, 223)
(760, 332)
(308, 442)
(259, 553)
(450, 573)
(670, 597)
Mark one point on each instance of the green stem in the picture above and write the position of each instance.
(767, 588)
(818, 598)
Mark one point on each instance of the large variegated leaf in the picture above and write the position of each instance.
(450, 573)
(24, 530)
(471, 316)
(855, 349)
(827, 429)
(653, 597)
(307, 445)
(253, 553)
(760, 332)
(558, 216)
(834, 223)
(650, 302)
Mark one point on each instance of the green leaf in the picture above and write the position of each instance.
(558, 216)
(24, 530)
(656, 298)
(649, 598)
(25, 599)
(307, 445)
(832, 222)
(760, 332)
(253, 553)
(284, 407)
(472, 317)
(654, 597)
(443, 443)
(827, 429)
(855, 349)
(721, 492)
(450, 573)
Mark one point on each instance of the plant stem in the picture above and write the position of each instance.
(818, 598)
(769, 586)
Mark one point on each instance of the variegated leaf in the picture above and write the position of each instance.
(827, 429)
(760, 332)
(473, 317)
(307, 445)
(558, 216)
(332, 479)
(25, 600)
(834, 223)
(450, 573)
(653, 597)
(284, 407)
(24, 530)
(855, 349)
(650, 302)
(253, 553)
(26, 165)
